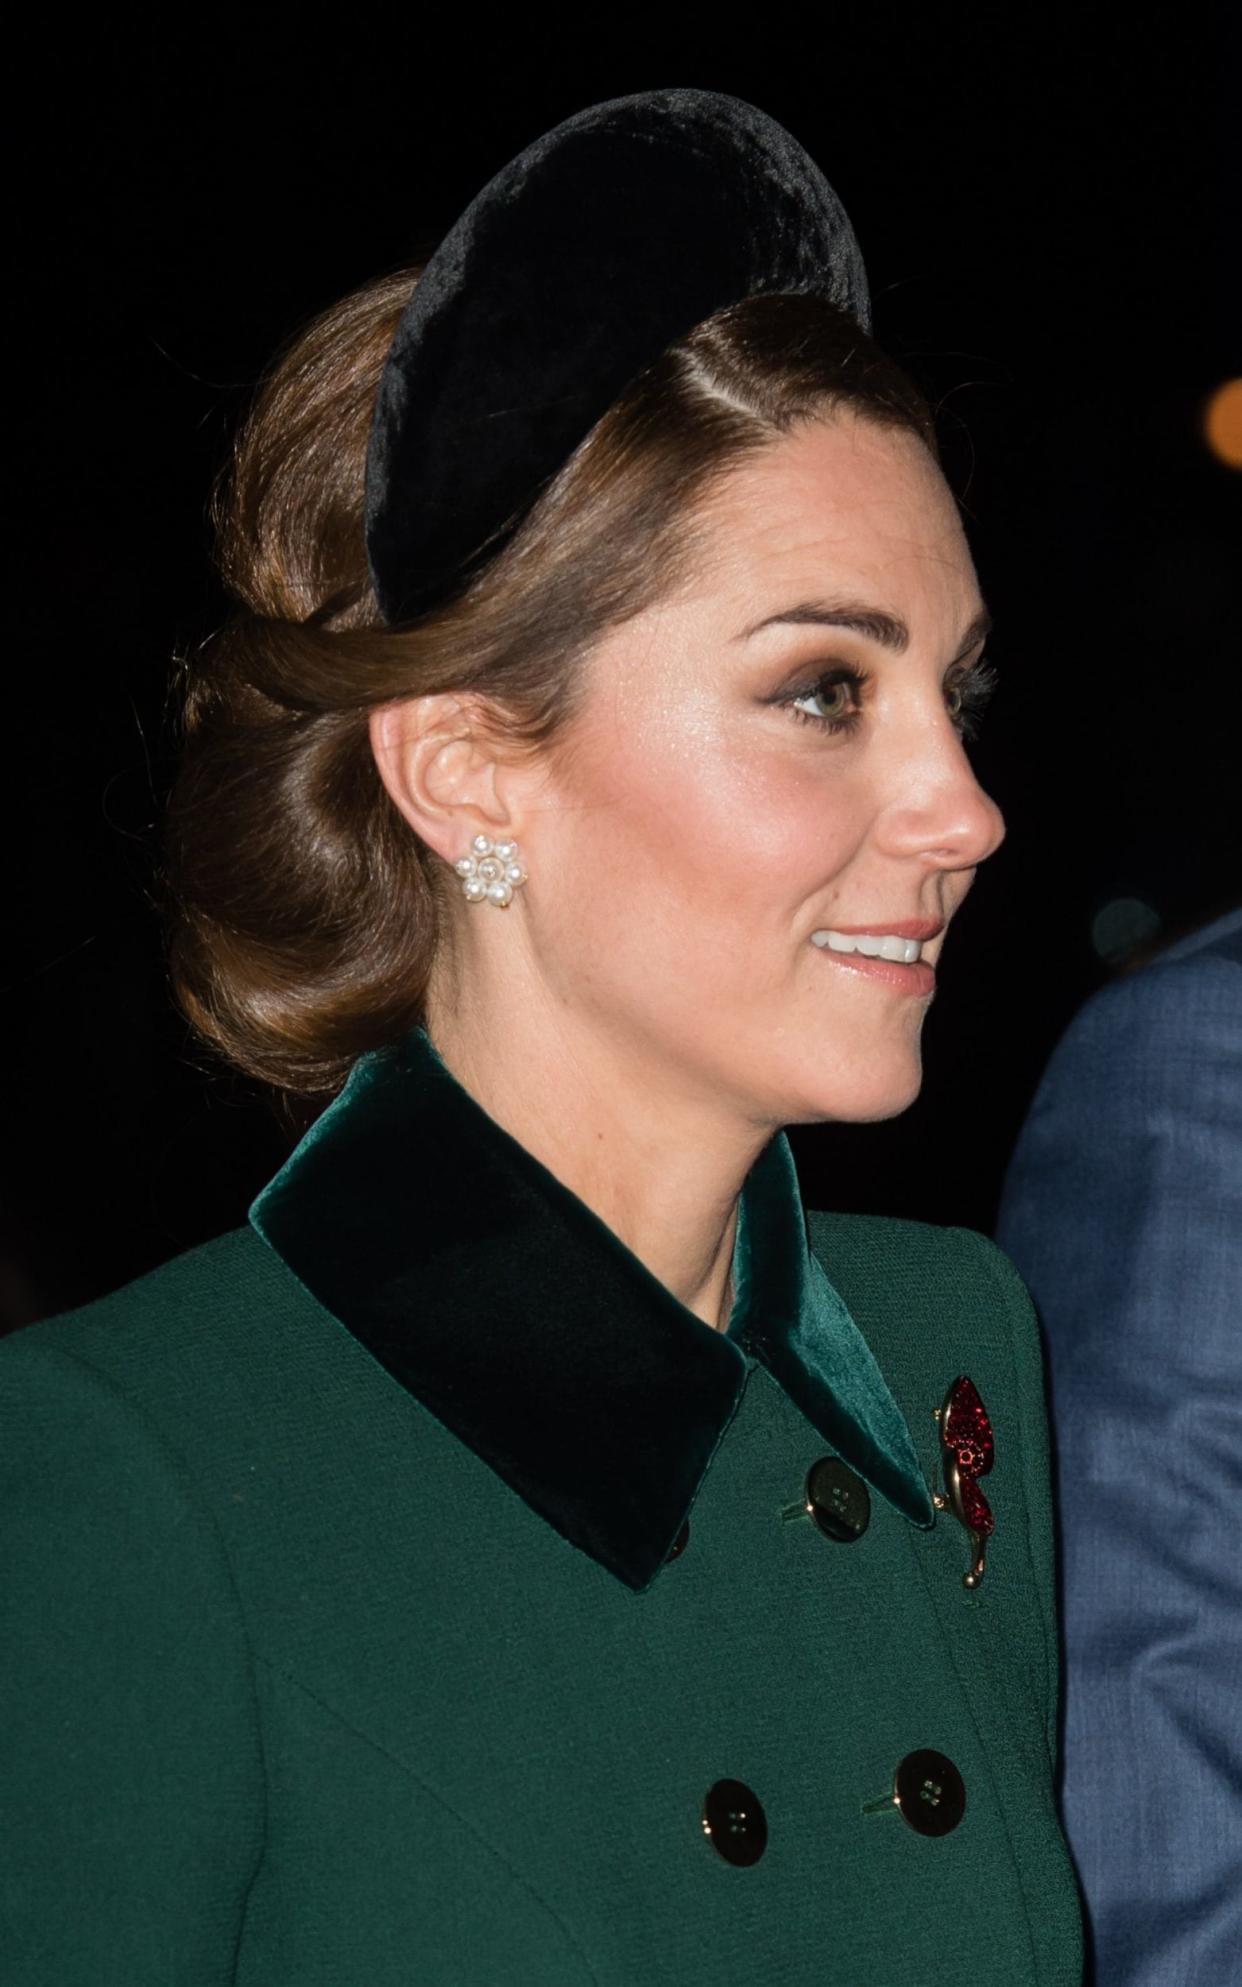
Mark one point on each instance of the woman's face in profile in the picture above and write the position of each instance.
(771, 754)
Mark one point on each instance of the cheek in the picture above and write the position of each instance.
(720, 848)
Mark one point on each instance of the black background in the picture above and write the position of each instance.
(1045, 211)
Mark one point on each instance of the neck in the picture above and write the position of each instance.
(622, 1130)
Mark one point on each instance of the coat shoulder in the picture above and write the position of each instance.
(205, 1289)
(947, 1285)
(182, 1333)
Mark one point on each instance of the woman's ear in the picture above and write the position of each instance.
(443, 768)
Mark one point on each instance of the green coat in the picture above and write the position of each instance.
(353, 1636)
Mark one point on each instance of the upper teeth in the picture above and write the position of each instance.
(873, 945)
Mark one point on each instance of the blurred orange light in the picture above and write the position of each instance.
(1222, 423)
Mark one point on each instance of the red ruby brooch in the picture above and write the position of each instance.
(967, 1446)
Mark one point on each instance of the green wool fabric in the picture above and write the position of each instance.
(309, 1681)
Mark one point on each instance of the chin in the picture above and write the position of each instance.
(876, 1115)
(883, 1094)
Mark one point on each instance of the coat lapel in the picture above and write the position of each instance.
(503, 1303)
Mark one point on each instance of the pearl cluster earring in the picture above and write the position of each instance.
(490, 873)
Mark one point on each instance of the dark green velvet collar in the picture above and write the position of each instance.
(501, 1301)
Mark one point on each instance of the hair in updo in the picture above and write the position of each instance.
(304, 912)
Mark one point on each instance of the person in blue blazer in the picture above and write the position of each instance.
(1123, 1210)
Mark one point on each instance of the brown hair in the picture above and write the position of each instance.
(304, 913)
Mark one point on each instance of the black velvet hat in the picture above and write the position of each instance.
(577, 265)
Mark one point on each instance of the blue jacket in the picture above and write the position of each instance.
(1123, 1211)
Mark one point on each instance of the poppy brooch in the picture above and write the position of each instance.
(966, 1452)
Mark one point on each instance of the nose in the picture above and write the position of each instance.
(940, 812)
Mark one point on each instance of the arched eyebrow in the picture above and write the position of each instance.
(889, 631)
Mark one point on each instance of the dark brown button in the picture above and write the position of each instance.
(837, 1500)
(679, 1543)
(734, 1822)
(930, 1792)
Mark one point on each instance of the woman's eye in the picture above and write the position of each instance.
(838, 696)
(834, 700)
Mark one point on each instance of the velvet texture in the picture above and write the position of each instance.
(577, 265)
(503, 1303)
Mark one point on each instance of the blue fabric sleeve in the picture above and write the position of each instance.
(1123, 1212)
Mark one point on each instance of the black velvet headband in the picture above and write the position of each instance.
(577, 265)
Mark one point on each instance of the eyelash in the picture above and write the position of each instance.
(974, 686)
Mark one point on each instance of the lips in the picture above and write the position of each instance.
(887, 952)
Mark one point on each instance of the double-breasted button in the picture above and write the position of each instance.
(679, 1543)
(836, 1499)
(929, 1792)
(734, 1822)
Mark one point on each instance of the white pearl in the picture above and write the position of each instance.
(464, 865)
(482, 845)
(514, 873)
(490, 869)
(475, 889)
(506, 851)
(499, 893)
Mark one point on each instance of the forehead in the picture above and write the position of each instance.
(837, 505)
